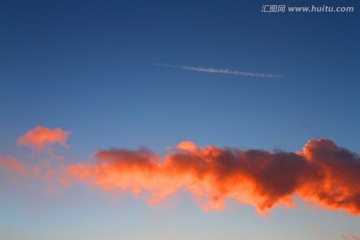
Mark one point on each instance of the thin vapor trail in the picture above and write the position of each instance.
(221, 71)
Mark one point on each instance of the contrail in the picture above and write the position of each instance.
(221, 71)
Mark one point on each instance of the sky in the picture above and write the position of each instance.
(178, 120)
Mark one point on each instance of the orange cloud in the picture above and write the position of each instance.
(335, 182)
(14, 166)
(323, 173)
(39, 137)
(350, 237)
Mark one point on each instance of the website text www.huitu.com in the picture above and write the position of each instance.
(306, 9)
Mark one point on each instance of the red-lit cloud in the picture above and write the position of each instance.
(39, 137)
(350, 237)
(12, 165)
(323, 173)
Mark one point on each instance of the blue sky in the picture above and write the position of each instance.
(89, 67)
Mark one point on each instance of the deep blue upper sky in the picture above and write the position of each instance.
(85, 66)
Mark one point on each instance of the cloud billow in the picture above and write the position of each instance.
(322, 173)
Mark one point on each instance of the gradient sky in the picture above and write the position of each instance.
(101, 70)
